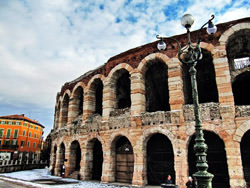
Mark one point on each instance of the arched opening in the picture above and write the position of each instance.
(65, 108)
(205, 76)
(74, 157)
(61, 158)
(160, 159)
(124, 160)
(245, 156)
(96, 94)
(97, 160)
(156, 83)
(238, 46)
(123, 89)
(241, 89)
(78, 101)
(53, 160)
(216, 157)
(57, 118)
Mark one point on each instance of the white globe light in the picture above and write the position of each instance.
(187, 20)
(211, 29)
(161, 45)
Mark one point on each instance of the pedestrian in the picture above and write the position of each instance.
(169, 180)
(190, 183)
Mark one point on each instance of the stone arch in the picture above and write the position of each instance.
(74, 157)
(120, 86)
(95, 94)
(76, 101)
(240, 88)
(206, 78)
(245, 156)
(64, 108)
(57, 114)
(61, 158)
(94, 158)
(142, 65)
(159, 159)
(122, 156)
(155, 69)
(147, 134)
(237, 43)
(224, 37)
(216, 158)
(241, 130)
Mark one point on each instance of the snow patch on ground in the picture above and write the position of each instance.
(28, 176)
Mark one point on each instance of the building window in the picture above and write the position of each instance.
(10, 122)
(25, 124)
(8, 133)
(34, 145)
(2, 122)
(29, 134)
(14, 142)
(1, 133)
(28, 144)
(24, 132)
(36, 128)
(22, 143)
(35, 135)
(17, 123)
(15, 133)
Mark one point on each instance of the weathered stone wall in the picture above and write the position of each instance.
(226, 120)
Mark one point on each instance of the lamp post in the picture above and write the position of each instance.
(189, 55)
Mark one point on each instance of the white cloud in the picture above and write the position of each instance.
(44, 44)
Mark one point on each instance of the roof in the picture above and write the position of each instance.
(21, 117)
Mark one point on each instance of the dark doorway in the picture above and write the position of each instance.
(216, 157)
(97, 160)
(98, 96)
(124, 161)
(241, 89)
(78, 100)
(205, 76)
(65, 109)
(245, 156)
(123, 89)
(156, 82)
(61, 157)
(160, 159)
(75, 157)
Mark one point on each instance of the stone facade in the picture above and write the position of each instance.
(81, 120)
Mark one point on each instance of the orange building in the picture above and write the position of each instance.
(20, 138)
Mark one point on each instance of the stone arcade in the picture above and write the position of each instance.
(131, 120)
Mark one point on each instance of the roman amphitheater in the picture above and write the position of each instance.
(131, 120)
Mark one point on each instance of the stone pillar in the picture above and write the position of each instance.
(139, 160)
(175, 85)
(108, 99)
(89, 103)
(72, 111)
(181, 162)
(58, 162)
(108, 167)
(138, 100)
(234, 164)
(67, 161)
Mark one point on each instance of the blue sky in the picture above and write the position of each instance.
(45, 43)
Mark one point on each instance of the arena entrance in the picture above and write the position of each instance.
(245, 156)
(160, 159)
(124, 161)
(216, 157)
(97, 160)
(75, 157)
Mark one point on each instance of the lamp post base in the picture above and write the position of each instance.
(203, 179)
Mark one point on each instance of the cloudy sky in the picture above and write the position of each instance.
(45, 43)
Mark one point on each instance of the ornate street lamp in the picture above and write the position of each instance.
(189, 55)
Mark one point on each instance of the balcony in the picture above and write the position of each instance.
(9, 147)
